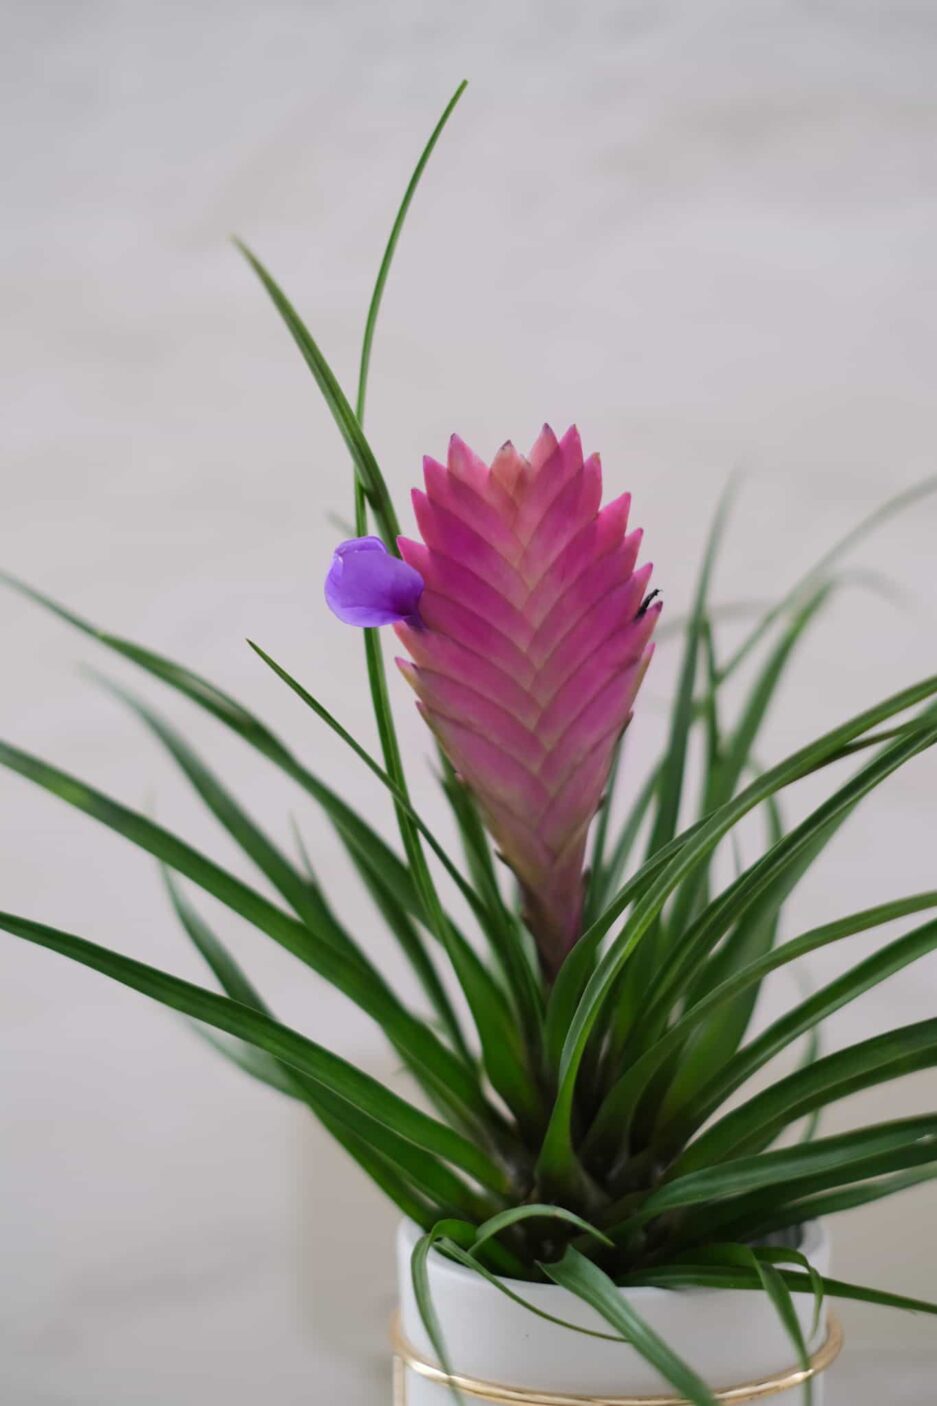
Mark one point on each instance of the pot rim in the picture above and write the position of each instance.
(815, 1238)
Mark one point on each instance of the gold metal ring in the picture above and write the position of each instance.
(406, 1357)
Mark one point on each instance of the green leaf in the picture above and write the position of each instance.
(410, 1166)
(293, 1049)
(382, 1173)
(610, 879)
(463, 1242)
(670, 787)
(366, 466)
(726, 764)
(614, 1117)
(246, 725)
(753, 936)
(778, 1256)
(475, 843)
(369, 851)
(502, 1049)
(229, 974)
(579, 966)
(576, 972)
(389, 251)
(687, 1275)
(505, 1068)
(515, 955)
(905, 499)
(517, 1215)
(255, 1063)
(669, 793)
(737, 753)
(307, 902)
(839, 1155)
(412, 945)
(787, 1214)
(754, 898)
(425, 1052)
(629, 1030)
(775, 872)
(589, 1283)
(419, 1274)
(557, 1160)
(302, 897)
(505, 1074)
(861, 1066)
(693, 891)
(410, 940)
(399, 795)
(596, 869)
(780, 1297)
(863, 977)
(632, 984)
(464, 1257)
(731, 1217)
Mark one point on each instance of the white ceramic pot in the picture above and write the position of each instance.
(733, 1339)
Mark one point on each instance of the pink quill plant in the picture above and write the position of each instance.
(593, 1123)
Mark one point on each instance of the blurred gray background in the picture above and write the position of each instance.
(705, 231)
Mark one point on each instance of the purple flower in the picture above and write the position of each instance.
(368, 586)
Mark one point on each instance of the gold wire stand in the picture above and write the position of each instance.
(407, 1358)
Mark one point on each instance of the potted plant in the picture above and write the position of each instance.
(596, 1205)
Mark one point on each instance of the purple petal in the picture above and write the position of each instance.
(367, 586)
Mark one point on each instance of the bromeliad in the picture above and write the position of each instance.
(597, 1084)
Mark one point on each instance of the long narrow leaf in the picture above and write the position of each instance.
(385, 779)
(428, 1054)
(268, 857)
(365, 463)
(589, 1283)
(511, 946)
(610, 879)
(464, 1257)
(780, 1297)
(905, 499)
(614, 1118)
(804, 1209)
(787, 1165)
(391, 247)
(557, 1160)
(411, 944)
(251, 729)
(670, 787)
(729, 1217)
(687, 1275)
(776, 870)
(863, 977)
(502, 1049)
(431, 1179)
(728, 760)
(422, 1293)
(286, 1045)
(304, 898)
(758, 1121)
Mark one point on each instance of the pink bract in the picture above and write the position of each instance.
(532, 648)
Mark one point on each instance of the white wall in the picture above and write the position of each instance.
(705, 231)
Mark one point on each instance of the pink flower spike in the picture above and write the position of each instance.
(533, 644)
